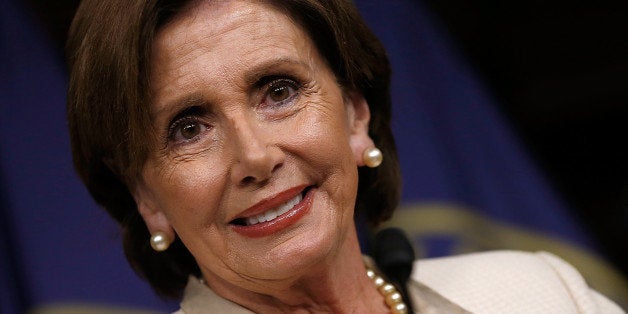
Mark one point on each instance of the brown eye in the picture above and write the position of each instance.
(190, 129)
(187, 129)
(279, 93)
(188, 125)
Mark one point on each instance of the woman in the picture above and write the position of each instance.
(237, 139)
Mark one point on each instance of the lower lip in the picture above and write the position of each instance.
(284, 221)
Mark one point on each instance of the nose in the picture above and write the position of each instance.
(256, 156)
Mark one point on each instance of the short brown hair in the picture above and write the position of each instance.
(108, 111)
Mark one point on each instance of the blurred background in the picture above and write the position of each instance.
(510, 116)
(559, 71)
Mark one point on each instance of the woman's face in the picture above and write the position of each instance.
(249, 124)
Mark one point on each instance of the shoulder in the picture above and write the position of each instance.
(511, 281)
(198, 298)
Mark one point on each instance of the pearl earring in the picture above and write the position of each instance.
(159, 241)
(372, 157)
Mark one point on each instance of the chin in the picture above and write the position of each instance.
(297, 255)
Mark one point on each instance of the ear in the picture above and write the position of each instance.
(154, 218)
(359, 115)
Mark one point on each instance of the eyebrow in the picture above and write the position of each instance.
(272, 67)
(176, 105)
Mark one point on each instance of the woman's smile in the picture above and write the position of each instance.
(273, 218)
(270, 215)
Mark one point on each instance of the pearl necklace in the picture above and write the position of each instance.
(390, 293)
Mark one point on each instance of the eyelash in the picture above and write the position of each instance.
(273, 82)
(189, 115)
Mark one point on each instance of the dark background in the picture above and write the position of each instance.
(560, 73)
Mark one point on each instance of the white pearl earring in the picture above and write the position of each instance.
(372, 157)
(159, 241)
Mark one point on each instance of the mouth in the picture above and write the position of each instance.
(273, 213)
(265, 219)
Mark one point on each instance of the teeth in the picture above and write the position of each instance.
(270, 215)
(253, 220)
(275, 212)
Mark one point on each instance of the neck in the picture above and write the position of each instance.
(338, 284)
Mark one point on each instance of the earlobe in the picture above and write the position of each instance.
(359, 117)
(162, 233)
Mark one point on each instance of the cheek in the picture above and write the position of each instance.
(186, 192)
(321, 140)
(327, 135)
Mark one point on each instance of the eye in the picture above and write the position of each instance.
(280, 92)
(186, 129)
(190, 129)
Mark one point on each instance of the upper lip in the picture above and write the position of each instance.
(271, 202)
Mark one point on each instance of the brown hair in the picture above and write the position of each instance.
(108, 53)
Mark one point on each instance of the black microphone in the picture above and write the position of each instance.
(394, 256)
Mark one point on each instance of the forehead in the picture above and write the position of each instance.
(223, 38)
(217, 26)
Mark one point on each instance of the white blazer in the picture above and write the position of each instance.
(511, 282)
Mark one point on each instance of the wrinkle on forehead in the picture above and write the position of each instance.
(184, 30)
(184, 34)
(176, 47)
(209, 28)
